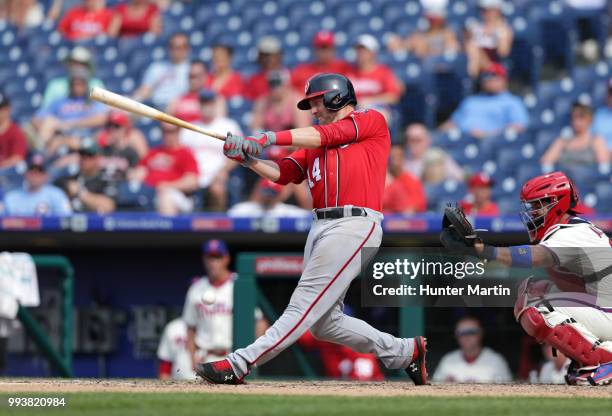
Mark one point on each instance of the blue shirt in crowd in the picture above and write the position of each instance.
(490, 113)
(602, 124)
(70, 109)
(48, 200)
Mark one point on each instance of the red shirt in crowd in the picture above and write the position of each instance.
(350, 166)
(12, 143)
(168, 165)
(136, 25)
(490, 209)
(404, 194)
(230, 88)
(187, 107)
(342, 362)
(79, 23)
(380, 80)
(303, 72)
(256, 86)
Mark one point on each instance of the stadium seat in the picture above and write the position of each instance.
(557, 34)
(12, 178)
(135, 197)
(603, 190)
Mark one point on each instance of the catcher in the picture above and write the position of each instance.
(572, 311)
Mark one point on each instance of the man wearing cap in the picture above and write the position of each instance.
(269, 58)
(37, 197)
(213, 167)
(472, 362)
(13, 143)
(71, 117)
(478, 201)
(208, 310)
(325, 60)
(375, 84)
(265, 202)
(79, 58)
(492, 111)
(90, 190)
(602, 122)
(166, 80)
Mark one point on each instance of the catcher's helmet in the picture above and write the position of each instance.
(336, 89)
(544, 200)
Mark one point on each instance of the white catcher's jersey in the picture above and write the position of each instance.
(489, 367)
(212, 320)
(584, 251)
(173, 348)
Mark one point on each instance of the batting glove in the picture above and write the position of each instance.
(232, 149)
(254, 145)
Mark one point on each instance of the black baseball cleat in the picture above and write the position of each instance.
(417, 369)
(218, 372)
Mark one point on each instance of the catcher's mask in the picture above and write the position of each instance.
(544, 201)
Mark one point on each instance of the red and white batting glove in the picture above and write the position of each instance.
(232, 149)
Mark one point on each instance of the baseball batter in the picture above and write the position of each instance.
(344, 160)
(572, 311)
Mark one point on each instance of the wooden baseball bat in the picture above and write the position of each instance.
(132, 106)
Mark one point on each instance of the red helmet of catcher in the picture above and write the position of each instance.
(545, 200)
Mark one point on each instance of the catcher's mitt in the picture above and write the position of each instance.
(457, 231)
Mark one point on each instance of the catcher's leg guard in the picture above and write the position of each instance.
(564, 337)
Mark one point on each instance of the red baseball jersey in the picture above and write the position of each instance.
(350, 168)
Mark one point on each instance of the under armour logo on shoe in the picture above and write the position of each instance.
(229, 377)
(413, 367)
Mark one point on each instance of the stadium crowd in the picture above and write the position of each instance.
(466, 123)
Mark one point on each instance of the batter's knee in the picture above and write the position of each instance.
(322, 329)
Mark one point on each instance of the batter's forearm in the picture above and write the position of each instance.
(265, 168)
(306, 137)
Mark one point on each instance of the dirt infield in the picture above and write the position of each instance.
(335, 388)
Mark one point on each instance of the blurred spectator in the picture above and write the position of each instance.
(72, 117)
(86, 21)
(404, 193)
(187, 106)
(120, 133)
(208, 310)
(79, 59)
(325, 60)
(582, 149)
(602, 123)
(478, 201)
(436, 40)
(489, 40)
(213, 167)
(493, 111)
(89, 190)
(276, 110)
(265, 203)
(375, 84)
(270, 58)
(418, 145)
(37, 197)
(174, 357)
(13, 143)
(163, 81)
(472, 363)
(24, 14)
(554, 369)
(172, 170)
(222, 78)
(135, 18)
